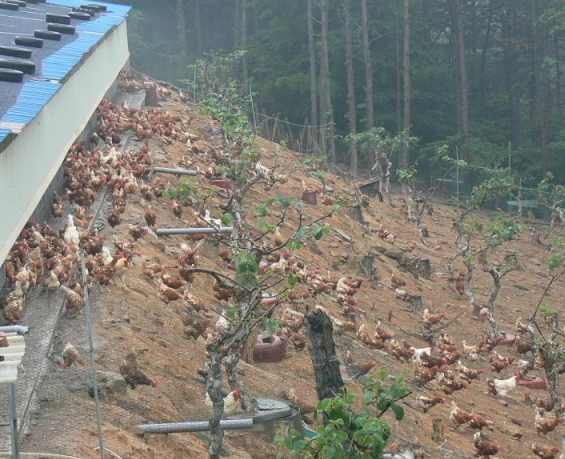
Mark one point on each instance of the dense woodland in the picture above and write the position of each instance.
(481, 76)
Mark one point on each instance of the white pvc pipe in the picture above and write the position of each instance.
(168, 170)
(196, 426)
(19, 329)
(211, 230)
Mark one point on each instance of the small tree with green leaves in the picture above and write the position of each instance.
(349, 432)
(417, 206)
(552, 197)
(475, 241)
(385, 147)
(246, 311)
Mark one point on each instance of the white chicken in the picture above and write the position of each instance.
(71, 235)
(216, 222)
(232, 403)
(503, 386)
(416, 357)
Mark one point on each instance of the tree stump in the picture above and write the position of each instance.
(416, 302)
(151, 98)
(368, 269)
(425, 268)
(357, 214)
(319, 331)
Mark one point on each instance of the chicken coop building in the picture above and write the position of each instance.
(58, 59)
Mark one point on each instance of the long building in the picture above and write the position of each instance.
(58, 59)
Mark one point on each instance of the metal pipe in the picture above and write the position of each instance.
(19, 329)
(13, 421)
(92, 359)
(211, 230)
(168, 170)
(196, 426)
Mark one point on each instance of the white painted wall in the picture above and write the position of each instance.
(31, 160)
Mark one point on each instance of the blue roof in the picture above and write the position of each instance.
(21, 102)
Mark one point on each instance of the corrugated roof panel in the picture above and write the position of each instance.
(33, 97)
(101, 24)
(56, 66)
(121, 10)
(4, 133)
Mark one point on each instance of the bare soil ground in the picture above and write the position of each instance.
(65, 422)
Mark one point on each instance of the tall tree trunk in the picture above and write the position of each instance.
(183, 43)
(540, 92)
(463, 74)
(370, 117)
(214, 387)
(244, 63)
(481, 86)
(198, 28)
(509, 59)
(326, 110)
(237, 23)
(397, 43)
(406, 74)
(351, 105)
(313, 73)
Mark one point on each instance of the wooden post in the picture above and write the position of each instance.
(319, 331)
(437, 426)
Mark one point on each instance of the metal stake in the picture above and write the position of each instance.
(92, 360)
(13, 421)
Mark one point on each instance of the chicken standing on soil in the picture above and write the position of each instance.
(232, 403)
(458, 416)
(498, 363)
(70, 355)
(426, 402)
(361, 367)
(13, 311)
(71, 235)
(546, 425)
(382, 332)
(432, 319)
(545, 452)
(476, 421)
(305, 407)
(150, 216)
(132, 375)
(485, 449)
(503, 386)
(468, 373)
(74, 301)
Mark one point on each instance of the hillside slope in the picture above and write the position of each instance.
(134, 316)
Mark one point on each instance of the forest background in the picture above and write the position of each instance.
(483, 77)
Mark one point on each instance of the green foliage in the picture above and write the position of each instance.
(496, 186)
(346, 432)
(548, 312)
(270, 325)
(555, 260)
(184, 191)
(246, 269)
(503, 229)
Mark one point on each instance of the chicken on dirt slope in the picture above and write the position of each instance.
(132, 375)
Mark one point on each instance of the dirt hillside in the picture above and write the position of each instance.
(134, 315)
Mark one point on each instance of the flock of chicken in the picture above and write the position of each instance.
(48, 258)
